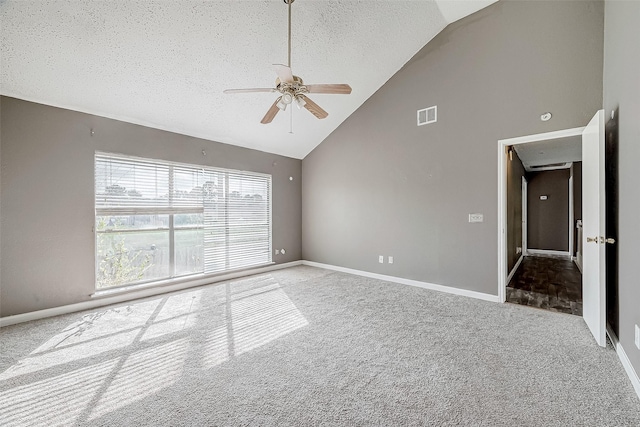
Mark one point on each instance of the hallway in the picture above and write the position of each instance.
(550, 283)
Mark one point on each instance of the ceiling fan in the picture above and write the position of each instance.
(292, 88)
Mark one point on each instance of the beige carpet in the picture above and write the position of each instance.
(307, 346)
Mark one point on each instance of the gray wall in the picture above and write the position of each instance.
(380, 185)
(622, 92)
(48, 204)
(515, 172)
(548, 220)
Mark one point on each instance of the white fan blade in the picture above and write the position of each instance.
(314, 108)
(271, 113)
(257, 89)
(342, 89)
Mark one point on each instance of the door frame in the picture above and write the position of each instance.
(503, 158)
(525, 207)
(572, 226)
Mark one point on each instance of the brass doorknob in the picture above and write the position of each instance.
(592, 239)
(610, 240)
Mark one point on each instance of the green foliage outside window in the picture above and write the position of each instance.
(119, 264)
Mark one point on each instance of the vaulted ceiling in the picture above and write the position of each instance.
(164, 64)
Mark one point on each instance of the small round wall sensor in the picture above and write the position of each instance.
(290, 178)
(545, 117)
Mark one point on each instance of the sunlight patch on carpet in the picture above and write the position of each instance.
(54, 401)
(143, 374)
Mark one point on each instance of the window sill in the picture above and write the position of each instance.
(176, 281)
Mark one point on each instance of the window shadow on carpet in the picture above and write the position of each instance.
(110, 358)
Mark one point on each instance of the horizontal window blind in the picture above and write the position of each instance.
(233, 207)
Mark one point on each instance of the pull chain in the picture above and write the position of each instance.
(291, 121)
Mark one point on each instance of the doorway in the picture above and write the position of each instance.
(548, 282)
(594, 237)
(538, 219)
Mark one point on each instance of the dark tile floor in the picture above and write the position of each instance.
(551, 283)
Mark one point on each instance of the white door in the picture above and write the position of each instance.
(593, 219)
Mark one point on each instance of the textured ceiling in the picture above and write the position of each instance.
(553, 151)
(165, 64)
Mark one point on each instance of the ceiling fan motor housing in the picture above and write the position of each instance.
(295, 86)
(291, 91)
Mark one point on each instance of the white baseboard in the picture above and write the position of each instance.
(514, 269)
(147, 292)
(549, 252)
(410, 282)
(626, 363)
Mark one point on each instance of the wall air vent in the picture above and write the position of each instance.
(428, 115)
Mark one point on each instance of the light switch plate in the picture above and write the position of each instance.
(390, 260)
(476, 217)
(381, 259)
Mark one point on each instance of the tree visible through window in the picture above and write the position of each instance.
(158, 220)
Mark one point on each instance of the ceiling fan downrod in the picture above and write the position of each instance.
(289, 2)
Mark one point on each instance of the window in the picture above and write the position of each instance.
(158, 220)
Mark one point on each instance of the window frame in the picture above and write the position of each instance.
(171, 211)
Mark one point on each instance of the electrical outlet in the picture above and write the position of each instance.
(476, 217)
(637, 337)
(381, 259)
(390, 260)
(277, 251)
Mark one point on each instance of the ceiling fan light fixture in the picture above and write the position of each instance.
(287, 98)
(281, 104)
(300, 102)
